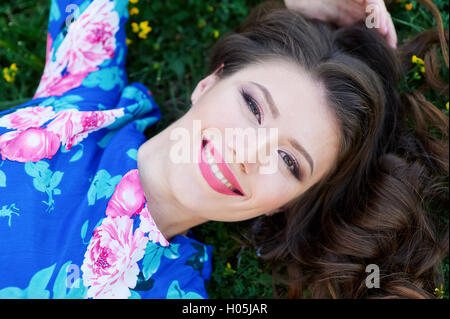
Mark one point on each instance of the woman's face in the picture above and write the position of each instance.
(269, 134)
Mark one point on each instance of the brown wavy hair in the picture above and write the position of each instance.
(378, 203)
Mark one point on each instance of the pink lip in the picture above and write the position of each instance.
(209, 176)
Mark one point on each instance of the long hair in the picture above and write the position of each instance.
(374, 205)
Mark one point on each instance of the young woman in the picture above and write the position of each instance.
(91, 209)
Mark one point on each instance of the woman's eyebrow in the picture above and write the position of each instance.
(273, 108)
(275, 113)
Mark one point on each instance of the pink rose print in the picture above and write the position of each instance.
(90, 41)
(33, 145)
(73, 126)
(148, 225)
(33, 116)
(54, 84)
(110, 263)
(68, 127)
(128, 198)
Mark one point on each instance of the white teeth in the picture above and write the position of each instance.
(210, 159)
(220, 175)
(215, 169)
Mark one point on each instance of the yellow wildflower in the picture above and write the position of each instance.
(134, 11)
(144, 24)
(408, 6)
(216, 34)
(134, 1)
(439, 292)
(417, 60)
(135, 27)
(129, 41)
(228, 269)
(9, 74)
(422, 69)
(145, 28)
(142, 29)
(446, 106)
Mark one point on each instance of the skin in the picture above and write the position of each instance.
(179, 197)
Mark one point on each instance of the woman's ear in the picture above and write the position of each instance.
(205, 84)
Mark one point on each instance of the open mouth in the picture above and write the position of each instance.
(216, 172)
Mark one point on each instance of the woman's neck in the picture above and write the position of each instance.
(171, 218)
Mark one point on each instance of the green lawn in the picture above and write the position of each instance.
(170, 62)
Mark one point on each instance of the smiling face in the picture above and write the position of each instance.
(272, 95)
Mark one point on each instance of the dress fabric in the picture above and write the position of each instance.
(74, 221)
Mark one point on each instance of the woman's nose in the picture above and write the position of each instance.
(255, 154)
(241, 164)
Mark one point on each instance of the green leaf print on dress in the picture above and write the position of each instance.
(153, 255)
(62, 288)
(102, 185)
(36, 287)
(175, 292)
(68, 283)
(2, 179)
(44, 180)
(2, 176)
(8, 211)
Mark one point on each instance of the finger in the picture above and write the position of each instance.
(387, 18)
(391, 36)
(349, 12)
(350, 16)
(388, 29)
(384, 17)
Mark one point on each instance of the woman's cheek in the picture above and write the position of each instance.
(272, 191)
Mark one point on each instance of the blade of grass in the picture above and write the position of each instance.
(413, 26)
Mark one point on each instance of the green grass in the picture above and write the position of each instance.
(170, 62)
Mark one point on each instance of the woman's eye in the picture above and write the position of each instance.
(252, 105)
(290, 163)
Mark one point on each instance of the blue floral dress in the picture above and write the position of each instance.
(74, 221)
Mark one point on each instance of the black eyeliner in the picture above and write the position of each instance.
(248, 97)
(297, 171)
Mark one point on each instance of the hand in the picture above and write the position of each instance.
(348, 12)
